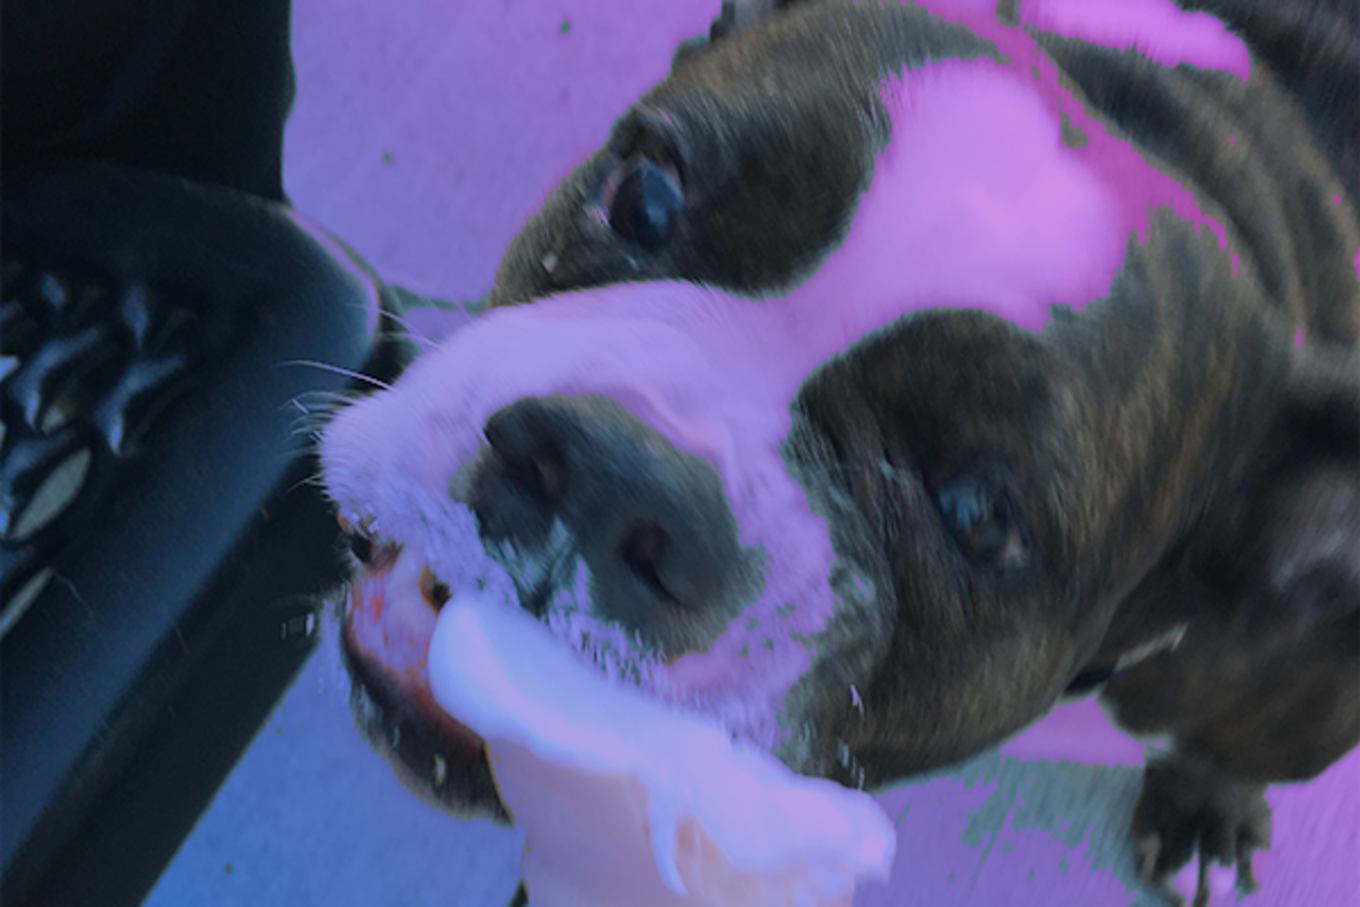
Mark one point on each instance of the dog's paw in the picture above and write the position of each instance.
(1188, 811)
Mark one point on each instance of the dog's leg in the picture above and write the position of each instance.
(1242, 717)
(1189, 809)
(1265, 684)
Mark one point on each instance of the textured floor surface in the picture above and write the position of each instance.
(423, 134)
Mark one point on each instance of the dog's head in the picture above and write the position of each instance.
(779, 438)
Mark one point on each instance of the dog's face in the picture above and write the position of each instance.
(779, 437)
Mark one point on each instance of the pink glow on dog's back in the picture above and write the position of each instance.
(979, 203)
(976, 204)
(1157, 29)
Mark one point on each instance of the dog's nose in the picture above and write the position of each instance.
(651, 522)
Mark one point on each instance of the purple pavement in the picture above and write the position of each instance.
(424, 133)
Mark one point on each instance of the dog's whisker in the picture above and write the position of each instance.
(401, 320)
(314, 438)
(307, 426)
(420, 340)
(411, 333)
(314, 480)
(330, 402)
(315, 409)
(335, 369)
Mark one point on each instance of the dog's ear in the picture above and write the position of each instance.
(1287, 537)
(735, 16)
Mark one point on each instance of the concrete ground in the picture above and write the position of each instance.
(424, 133)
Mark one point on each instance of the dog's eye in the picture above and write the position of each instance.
(643, 204)
(980, 523)
(641, 552)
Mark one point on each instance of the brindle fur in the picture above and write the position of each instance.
(1177, 460)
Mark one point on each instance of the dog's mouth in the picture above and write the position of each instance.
(391, 609)
(389, 619)
(390, 612)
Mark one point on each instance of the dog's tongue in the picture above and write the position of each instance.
(625, 801)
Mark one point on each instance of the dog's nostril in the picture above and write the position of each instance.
(642, 550)
(543, 474)
(517, 494)
(362, 549)
(374, 556)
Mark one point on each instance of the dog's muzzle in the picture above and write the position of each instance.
(565, 489)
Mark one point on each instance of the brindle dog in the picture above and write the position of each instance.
(1157, 496)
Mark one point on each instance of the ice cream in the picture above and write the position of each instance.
(626, 801)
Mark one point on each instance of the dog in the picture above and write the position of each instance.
(891, 373)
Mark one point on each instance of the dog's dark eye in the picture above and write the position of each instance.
(980, 523)
(645, 203)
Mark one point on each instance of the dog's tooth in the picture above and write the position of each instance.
(441, 770)
(363, 706)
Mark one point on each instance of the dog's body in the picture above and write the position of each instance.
(963, 516)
